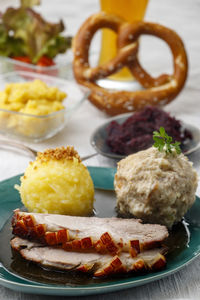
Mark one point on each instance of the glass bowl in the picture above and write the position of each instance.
(35, 128)
(61, 69)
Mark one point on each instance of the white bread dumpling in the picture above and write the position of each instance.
(155, 186)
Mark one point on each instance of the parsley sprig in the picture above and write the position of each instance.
(164, 142)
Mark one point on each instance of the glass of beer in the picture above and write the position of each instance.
(130, 10)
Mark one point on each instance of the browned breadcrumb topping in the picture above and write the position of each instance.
(68, 153)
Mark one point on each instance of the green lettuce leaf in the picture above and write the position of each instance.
(9, 46)
(56, 45)
(37, 36)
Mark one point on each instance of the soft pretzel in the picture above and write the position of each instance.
(158, 91)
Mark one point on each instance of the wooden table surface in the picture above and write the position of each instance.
(182, 16)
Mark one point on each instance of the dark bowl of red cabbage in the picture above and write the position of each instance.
(132, 132)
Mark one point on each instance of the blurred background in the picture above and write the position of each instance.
(180, 15)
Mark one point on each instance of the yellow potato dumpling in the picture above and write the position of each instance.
(57, 182)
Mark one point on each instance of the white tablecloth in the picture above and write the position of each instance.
(180, 15)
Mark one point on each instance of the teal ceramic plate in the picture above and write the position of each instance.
(105, 204)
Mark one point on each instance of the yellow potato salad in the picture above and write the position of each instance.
(34, 97)
(26, 109)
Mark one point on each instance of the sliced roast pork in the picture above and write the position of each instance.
(104, 235)
(95, 263)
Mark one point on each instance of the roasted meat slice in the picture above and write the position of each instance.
(94, 263)
(104, 235)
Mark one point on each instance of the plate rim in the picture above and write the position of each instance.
(47, 289)
(91, 290)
